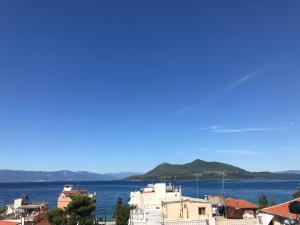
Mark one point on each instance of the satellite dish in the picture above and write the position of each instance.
(294, 207)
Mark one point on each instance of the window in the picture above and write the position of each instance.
(201, 211)
(260, 221)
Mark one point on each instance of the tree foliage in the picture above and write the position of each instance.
(3, 210)
(263, 201)
(56, 217)
(122, 213)
(297, 194)
(272, 203)
(80, 211)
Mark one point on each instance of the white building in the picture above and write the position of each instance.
(163, 204)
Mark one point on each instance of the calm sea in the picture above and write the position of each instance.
(109, 191)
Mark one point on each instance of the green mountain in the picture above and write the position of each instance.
(206, 170)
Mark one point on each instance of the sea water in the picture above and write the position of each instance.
(109, 191)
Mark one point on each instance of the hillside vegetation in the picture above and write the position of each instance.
(206, 170)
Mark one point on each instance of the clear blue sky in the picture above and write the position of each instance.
(111, 86)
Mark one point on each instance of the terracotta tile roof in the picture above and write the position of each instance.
(75, 192)
(281, 210)
(5, 222)
(240, 203)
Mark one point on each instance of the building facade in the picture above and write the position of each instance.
(65, 196)
(164, 204)
(186, 208)
(240, 209)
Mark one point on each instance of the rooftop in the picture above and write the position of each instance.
(184, 198)
(33, 206)
(75, 192)
(281, 210)
(240, 203)
(5, 222)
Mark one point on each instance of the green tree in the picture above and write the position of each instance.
(263, 201)
(272, 203)
(297, 194)
(122, 213)
(3, 210)
(56, 217)
(81, 210)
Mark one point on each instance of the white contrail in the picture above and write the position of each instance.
(219, 129)
(232, 86)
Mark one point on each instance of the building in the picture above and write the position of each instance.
(278, 215)
(152, 195)
(164, 204)
(188, 209)
(240, 209)
(18, 202)
(23, 211)
(65, 196)
(218, 204)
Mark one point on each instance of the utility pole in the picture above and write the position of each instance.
(197, 186)
(223, 189)
(223, 184)
(105, 216)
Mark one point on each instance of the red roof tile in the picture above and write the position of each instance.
(75, 192)
(5, 222)
(281, 210)
(240, 203)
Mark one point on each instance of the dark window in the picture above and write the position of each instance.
(201, 211)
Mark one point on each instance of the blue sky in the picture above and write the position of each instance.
(111, 86)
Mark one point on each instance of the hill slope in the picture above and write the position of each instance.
(62, 175)
(290, 171)
(206, 170)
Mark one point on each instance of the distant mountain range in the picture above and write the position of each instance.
(207, 170)
(62, 175)
(290, 171)
(200, 168)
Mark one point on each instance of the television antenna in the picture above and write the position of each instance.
(223, 183)
(197, 183)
